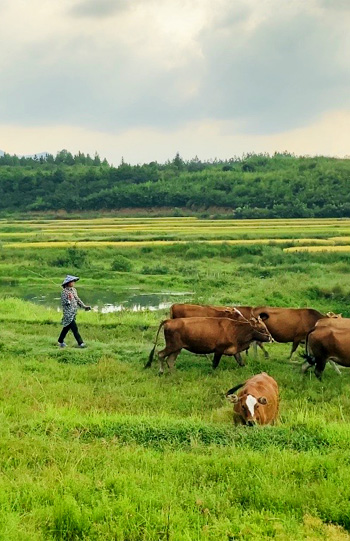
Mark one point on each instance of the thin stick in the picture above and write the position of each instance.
(41, 276)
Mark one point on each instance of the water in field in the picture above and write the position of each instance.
(107, 301)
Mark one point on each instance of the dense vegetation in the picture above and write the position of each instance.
(254, 186)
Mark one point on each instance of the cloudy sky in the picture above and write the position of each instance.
(144, 79)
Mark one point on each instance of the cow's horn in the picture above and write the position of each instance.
(262, 400)
(232, 398)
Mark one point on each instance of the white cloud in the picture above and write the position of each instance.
(121, 67)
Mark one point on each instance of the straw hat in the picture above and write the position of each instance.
(70, 278)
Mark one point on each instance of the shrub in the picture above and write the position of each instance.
(121, 264)
(156, 269)
(72, 257)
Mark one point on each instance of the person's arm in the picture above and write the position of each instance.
(80, 302)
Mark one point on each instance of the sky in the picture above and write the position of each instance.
(144, 79)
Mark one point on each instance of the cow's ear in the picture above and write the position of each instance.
(232, 398)
(262, 400)
(264, 316)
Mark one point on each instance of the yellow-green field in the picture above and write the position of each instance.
(128, 232)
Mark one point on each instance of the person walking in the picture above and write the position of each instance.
(70, 302)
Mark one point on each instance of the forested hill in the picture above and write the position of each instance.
(254, 186)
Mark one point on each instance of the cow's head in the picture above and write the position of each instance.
(248, 407)
(261, 332)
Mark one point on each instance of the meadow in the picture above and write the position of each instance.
(95, 447)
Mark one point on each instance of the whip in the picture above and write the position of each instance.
(45, 277)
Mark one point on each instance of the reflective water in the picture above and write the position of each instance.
(107, 301)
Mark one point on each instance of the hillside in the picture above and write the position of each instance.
(254, 186)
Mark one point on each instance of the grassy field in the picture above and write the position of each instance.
(95, 447)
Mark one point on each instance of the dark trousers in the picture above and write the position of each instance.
(71, 327)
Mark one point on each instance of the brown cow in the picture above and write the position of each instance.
(203, 335)
(257, 401)
(328, 341)
(200, 310)
(288, 324)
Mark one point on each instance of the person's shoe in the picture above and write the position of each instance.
(62, 344)
(82, 345)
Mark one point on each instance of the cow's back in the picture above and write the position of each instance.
(263, 384)
(198, 310)
(199, 334)
(288, 324)
(334, 322)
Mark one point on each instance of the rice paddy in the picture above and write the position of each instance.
(120, 244)
(318, 249)
(119, 232)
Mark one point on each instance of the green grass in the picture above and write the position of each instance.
(95, 447)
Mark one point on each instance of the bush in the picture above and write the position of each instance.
(73, 257)
(157, 269)
(121, 264)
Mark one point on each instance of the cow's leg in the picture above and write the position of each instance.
(161, 356)
(294, 347)
(216, 360)
(171, 360)
(255, 348)
(266, 354)
(239, 359)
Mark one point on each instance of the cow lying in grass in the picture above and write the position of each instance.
(257, 402)
(203, 335)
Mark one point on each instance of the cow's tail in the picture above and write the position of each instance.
(171, 315)
(308, 354)
(235, 388)
(151, 355)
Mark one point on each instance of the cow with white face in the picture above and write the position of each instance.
(257, 402)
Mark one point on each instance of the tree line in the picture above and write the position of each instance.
(251, 186)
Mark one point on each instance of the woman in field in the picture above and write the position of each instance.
(70, 302)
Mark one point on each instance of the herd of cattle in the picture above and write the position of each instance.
(231, 330)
